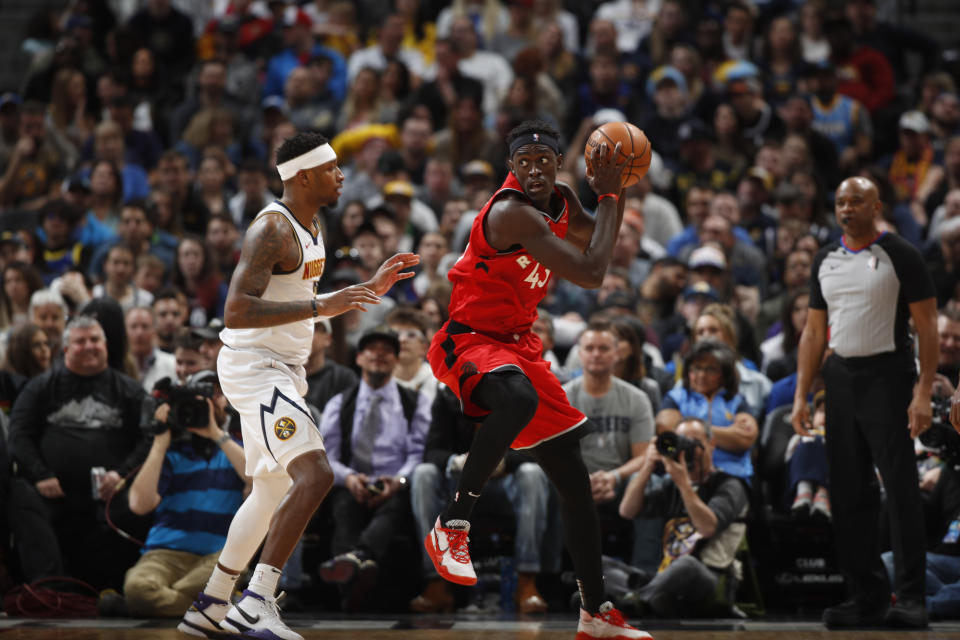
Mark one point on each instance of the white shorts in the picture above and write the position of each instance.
(268, 395)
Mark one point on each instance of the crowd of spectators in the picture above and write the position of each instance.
(140, 145)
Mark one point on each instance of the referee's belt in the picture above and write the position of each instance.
(455, 328)
(887, 358)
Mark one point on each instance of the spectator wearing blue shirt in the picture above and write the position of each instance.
(193, 482)
(301, 48)
(108, 144)
(710, 392)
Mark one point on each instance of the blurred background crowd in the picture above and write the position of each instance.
(139, 144)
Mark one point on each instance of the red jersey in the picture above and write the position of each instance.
(498, 291)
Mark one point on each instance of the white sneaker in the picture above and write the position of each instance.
(203, 617)
(448, 550)
(608, 624)
(254, 616)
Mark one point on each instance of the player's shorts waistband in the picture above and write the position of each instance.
(455, 328)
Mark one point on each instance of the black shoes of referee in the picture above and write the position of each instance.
(852, 614)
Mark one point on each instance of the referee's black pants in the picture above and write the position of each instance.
(867, 425)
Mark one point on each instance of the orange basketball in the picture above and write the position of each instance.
(631, 139)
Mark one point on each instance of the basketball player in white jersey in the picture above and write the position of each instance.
(270, 310)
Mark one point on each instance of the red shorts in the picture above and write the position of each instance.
(460, 358)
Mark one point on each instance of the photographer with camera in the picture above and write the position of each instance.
(193, 480)
(703, 510)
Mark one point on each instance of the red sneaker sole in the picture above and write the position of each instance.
(441, 570)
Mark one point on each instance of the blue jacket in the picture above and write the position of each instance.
(718, 412)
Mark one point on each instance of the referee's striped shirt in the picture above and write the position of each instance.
(867, 292)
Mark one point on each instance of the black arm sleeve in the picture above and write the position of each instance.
(916, 283)
(27, 424)
(816, 294)
(728, 502)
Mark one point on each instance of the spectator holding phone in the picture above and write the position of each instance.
(374, 433)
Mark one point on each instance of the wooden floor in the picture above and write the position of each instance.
(554, 627)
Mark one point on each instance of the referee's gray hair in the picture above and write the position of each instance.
(950, 226)
(81, 322)
(44, 297)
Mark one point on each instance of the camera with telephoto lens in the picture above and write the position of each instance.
(188, 406)
(670, 444)
(941, 436)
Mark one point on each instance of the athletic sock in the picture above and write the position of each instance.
(264, 580)
(221, 584)
(512, 402)
(457, 513)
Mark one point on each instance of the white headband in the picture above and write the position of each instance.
(313, 158)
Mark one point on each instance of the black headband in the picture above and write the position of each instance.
(535, 138)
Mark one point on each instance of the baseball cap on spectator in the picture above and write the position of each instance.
(273, 102)
(694, 130)
(603, 116)
(707, 257)
(620, 300)
(402, 188)
(701, 289)
(9, 98)
(915, 121)
(206, 375)
(743, 87)
(665, 73)
(733, 70)
(209, 332)
(11, 237)
(77, 184)
(381, 332)
(764, 177)
(296, 17)
(477, 169)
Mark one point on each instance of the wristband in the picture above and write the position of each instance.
(313, 305)
(222, 440)
(615, 197)
(616, 474)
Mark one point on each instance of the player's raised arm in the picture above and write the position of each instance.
(267, 245)
(514, 222)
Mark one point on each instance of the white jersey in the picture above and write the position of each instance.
(289, 343)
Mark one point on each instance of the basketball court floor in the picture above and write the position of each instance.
(465, 627)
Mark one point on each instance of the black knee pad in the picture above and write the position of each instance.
(510, 389)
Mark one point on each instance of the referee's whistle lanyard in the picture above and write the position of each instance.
(843, 240)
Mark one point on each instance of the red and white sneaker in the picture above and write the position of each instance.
(449, 552)
(608, 624)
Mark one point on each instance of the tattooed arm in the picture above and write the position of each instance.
(270, 244)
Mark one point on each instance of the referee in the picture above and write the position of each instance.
(864, 289)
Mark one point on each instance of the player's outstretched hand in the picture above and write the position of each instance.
(608, 169)
(353, 297)
(390, 272)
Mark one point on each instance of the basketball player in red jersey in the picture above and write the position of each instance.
(530, 230)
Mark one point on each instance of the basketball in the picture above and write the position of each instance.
(631, 139)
